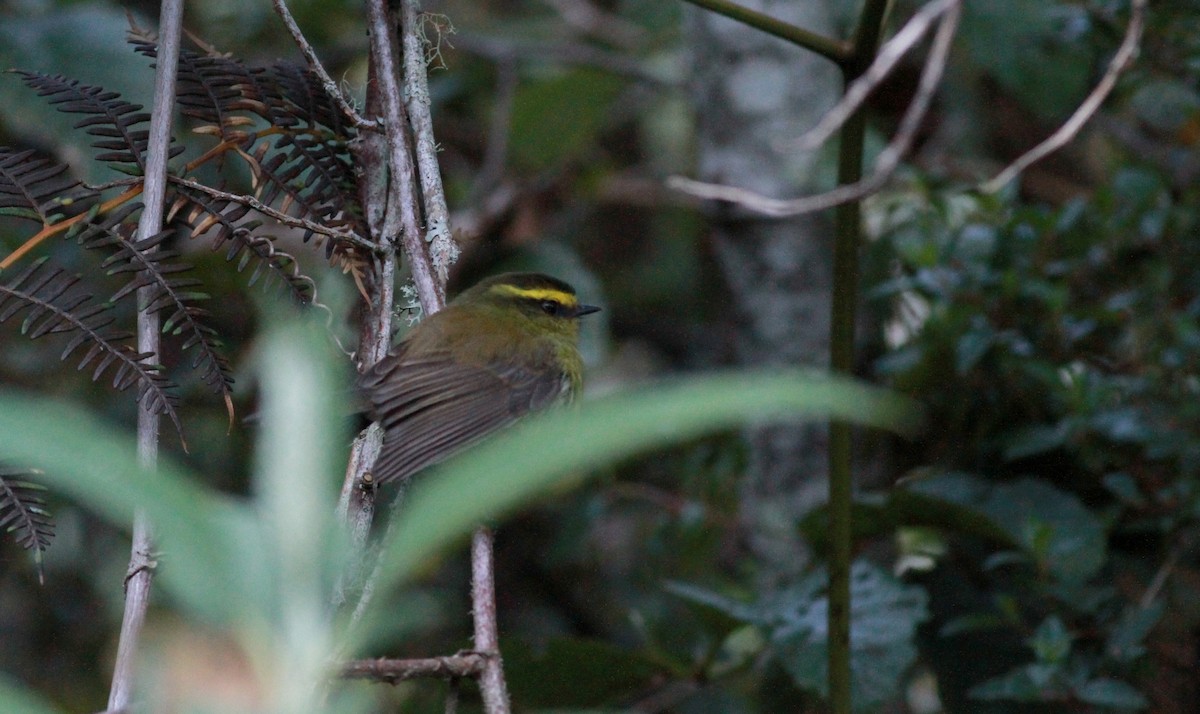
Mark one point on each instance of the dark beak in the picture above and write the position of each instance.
(585, 310)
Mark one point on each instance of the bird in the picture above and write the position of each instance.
(505, 347)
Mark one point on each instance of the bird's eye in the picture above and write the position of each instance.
(550, 307)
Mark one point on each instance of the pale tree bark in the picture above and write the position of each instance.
(752, 93)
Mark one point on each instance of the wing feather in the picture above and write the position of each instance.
(432, 406)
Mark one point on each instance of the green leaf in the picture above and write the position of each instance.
(555, 119)
(884, 617)
(1035, 440)
(1019, 43)
(96, 464)
(1125, 641)
(1051, 642)
(18, 212)
(1067, 539)
(1023, 684)
(972, 347)
(15, 699)
(497, 476)
(1054, 527)
(1111, 693)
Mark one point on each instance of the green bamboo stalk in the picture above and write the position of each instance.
(833, 50)
(848, 237)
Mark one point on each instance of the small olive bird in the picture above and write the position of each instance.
(506, 347)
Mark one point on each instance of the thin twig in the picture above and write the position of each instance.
(357, 503)
(394, 671)
(885, 164)
(283, 218)
(314, 63)
(1160, 578)
(356, 508)
(492, 687)
(1124, 57)
(150, 222)
(367, 592)
(856, 94)
(443, 250)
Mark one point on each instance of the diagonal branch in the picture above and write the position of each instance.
(833, 50)
(1070, 129)
(885, 164)
(283, 218)
(315, 65)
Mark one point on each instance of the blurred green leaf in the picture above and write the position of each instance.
(1125, 641)
(1166, 105)
(15, 699)
(1035, 440)
(507, 471)
(1111, 693)
(1023, 684)
(1053, 526)
(84, 41)
(1051, 642)
(555, 119)
(96, 464)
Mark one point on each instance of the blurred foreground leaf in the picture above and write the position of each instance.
(509, 470)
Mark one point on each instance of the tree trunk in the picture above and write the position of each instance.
(753, 92)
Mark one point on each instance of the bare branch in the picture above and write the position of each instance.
(283, 218)
(442, 248)
(1124, 57)
(401, 218)
(885, 164)
(394, 671)
(487, 641)
(314, 63)
(150, 222)
(357, 503)
(885, 62)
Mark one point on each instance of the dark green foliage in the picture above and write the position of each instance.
(23, 513)
(121, 128)
(38, 189)
(50, 302)
(150, 265)
(885, 615)
(1076, 334)
(304, 171)
(307, 170)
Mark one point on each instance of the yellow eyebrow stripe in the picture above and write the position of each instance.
(562, 298)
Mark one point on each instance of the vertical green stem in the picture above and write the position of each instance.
(845, 298)
(848, 232)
